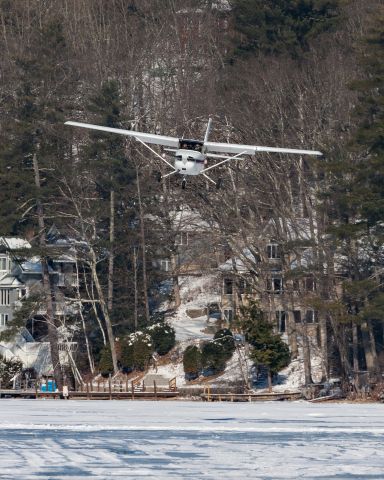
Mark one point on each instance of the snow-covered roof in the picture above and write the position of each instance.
(239, 263)
(33, 266)
(10, 281)
(65, 259)
(15, 243)
(290, 229)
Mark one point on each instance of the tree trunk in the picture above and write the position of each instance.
(269, 380)
(306, 354)
(369, 347)
(135, 288)
(175, 281)
(48, 288)
(111, 249)
(90, 359)
(144, 255)
(355, 349)
(324, 344)
(105, 311)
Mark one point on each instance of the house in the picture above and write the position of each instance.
(190, 244)
(21, 277)
(280, 281)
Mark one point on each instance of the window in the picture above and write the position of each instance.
(275, 284)
(310, 316)
(3, 264)
(296, 284)
(228, 286)
(165, 265)
(228, 315)
(281, 318)
(297, 316)
(4, 296)
(241, 286)
(273, 250)
(3, 319)
(309, 283)
(182, 238)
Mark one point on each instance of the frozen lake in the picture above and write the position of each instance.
(54, 439)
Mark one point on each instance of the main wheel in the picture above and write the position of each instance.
(158, 176)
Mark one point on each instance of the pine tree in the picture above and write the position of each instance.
(279, 26)
(268, 348)
(357, 206)
(192, 362)
(31, 157)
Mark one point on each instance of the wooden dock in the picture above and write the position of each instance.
(92, 395)
(250, 397)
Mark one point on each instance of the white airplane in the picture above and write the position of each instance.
(191, 155)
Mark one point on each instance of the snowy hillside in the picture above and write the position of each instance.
(196, 293)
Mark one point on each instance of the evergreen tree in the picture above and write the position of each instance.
(192, 362)
(356, 199)
(105, 363)
(163, 337)
(268, 348)
(225, 338)
(8, 369)
(136, 351)
(213, 357)
(278, 26)
(31, 157)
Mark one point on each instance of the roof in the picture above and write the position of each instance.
(10, 281)
(15, 243)
(33, 266)
(239, 263)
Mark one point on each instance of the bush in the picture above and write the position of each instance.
(163, 337)
(136, 351)
(8, 369)
(106, 364)
(213, 357)
(192, 362)
(225, 338)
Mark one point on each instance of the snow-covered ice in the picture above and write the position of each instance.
(132, 439)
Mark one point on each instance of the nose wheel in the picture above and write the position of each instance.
(183, 183)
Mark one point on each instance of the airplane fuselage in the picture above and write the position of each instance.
(189, 162)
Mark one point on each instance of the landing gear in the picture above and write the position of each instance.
(183, 183)
(158, 176)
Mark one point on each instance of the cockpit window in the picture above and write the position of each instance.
(191, 159)
(195, 145)
(179, 157)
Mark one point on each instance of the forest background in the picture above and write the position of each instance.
(295, 73)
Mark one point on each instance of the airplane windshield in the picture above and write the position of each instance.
(191, 145)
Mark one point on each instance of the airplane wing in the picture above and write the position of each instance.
(252, 149)
(144, 137)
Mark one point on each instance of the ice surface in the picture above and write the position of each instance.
(132, 439)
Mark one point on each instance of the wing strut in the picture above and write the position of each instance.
(221, 163)
(209, 178)
(157, 154)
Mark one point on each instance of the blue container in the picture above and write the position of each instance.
(50, 386)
